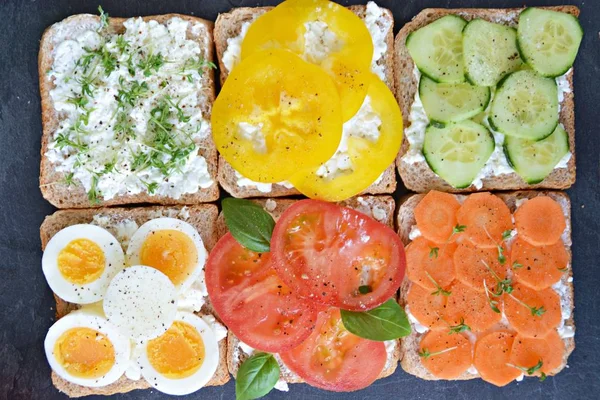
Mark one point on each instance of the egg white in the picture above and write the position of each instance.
(195, 381)
(87, 319)
(86, 293)
(141, 302)
(158, 224)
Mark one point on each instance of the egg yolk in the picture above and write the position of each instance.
(85, 353)
(171, 252)
(81, 261)
(178, 353)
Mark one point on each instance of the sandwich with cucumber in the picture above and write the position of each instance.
(487, 98)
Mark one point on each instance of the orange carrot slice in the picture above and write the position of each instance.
(427, 308)
(538, 267)
(540, 221)
(445, 356)
(475, 265)
(430, 265)
(485, 218)
(436, 215)
(528, 352)
(470, 307)
(532, 313)
(492, 354)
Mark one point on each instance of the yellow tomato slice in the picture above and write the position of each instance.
(370, 143)
(323, 33)
(276, 113)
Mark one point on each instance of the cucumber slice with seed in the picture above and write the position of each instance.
(490, 52)
(452, 102)
(548, 40)
(457, 151)
(533, 161)
(436, 49)
(525, 105)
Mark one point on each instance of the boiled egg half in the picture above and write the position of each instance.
(84, 348)
(183, 359)
(80, 261)
(141, 302)
(173, 247)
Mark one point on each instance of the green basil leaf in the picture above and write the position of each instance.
(256, 377)
(386, 322)
(249, 224)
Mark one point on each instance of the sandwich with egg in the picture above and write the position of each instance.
(485, 105)
(131, 301)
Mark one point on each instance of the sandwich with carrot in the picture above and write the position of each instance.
(489, 285)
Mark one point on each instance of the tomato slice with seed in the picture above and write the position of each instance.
(337, 256)
(253, 302)
(334, 359)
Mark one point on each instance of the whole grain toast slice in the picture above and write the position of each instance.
(202, 217)
(409, 347)
(419, 177)
(227, 27)
(52, 183)
(381, 208)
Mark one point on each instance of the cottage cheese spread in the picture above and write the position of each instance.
(364, 124)
(130, 110)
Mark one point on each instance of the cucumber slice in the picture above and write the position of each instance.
(525, 105)
(548, 40)
(437, 51)
(533, 161)
(490, 52)
(457, 151)
(452, 102)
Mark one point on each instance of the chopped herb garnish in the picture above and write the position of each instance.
(439, 290)
(425, 353)
(433, 252)
(462, 327)
(532, 370)
(516, 265)
(103, 18)
(152, 62)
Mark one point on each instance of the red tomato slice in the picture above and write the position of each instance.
(253, 302)
(334, 359)
(337, 256)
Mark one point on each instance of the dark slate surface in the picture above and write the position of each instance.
(26, 302)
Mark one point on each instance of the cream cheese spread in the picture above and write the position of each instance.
(129, 108)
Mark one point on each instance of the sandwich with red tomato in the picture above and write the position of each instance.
(307, 288)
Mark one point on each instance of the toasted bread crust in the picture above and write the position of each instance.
(409, 358)
(419, 177)
(52, 183)
(235, 357)
(202, 217)
(228, 25)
